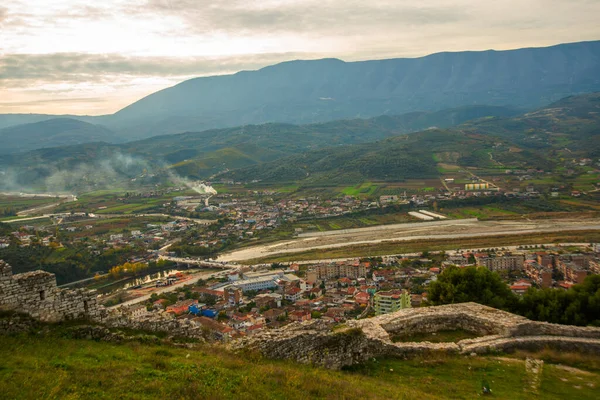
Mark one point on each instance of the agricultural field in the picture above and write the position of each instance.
(347, 222)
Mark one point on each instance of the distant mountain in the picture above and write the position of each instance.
(330, 89)
(302, 92)
(338, 152)
(54, 132)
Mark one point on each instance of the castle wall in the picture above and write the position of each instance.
(36, 294)
(319, 343)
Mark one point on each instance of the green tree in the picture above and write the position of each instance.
(480, 285)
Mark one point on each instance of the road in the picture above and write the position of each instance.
(97, 216)
(200, 262)
(189, 281)
(451, 229)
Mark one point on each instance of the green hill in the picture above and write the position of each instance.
(55, 132)
(202, 154)
(347, 151)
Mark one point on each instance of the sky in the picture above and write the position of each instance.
(96, 57)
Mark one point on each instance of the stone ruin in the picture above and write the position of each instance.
(320, 343)
(36, 294)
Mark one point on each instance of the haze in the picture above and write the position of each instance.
(76, 56)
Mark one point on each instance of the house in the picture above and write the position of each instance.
(382, 275)
(520, 287)
(300, 315)
(251, 330)
(271, 300)
(293, 294)
(362, 298)
(159, 304)
(181, 306)
(218, 330)
(137, 311)
(273, 314)
(240, 322)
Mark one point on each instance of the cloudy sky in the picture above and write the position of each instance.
(95, 57)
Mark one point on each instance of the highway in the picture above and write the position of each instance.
(191, 279)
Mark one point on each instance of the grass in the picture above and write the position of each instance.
(361, 190)
(348, 222)
(417, 246)
(52, 367)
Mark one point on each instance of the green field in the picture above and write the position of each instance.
(362, 190)
(51, 367)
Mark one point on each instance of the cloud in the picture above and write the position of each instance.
(81, 67)
(306, 17)
(124, 49)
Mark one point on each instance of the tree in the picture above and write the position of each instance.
(477, 284)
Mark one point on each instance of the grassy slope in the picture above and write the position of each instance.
(47, 367)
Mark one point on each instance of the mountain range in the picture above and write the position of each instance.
(345, 151)
(305, 92)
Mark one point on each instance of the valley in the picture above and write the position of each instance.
(386, 228)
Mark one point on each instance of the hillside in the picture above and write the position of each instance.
(329, 89)
(568, 128)
(202, 154)
(395, 159)
(572, 123)
(347, 151)
(302, 92)
(54, 132)
(147, 369)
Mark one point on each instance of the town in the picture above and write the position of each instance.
(250, 299)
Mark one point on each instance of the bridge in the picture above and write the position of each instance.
(188, 261)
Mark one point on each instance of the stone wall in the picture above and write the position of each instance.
(36, 294)
(318, 343)
(162, 323)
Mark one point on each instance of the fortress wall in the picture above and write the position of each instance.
(36, 294)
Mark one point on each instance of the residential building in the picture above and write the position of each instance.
(300, 315)
(520, 287)
(245, 285)
(573, 272)
(538, 273)
(218, 330)
(340, 270)
(501, 263)
(293, 294)
(181, 306)
(232, 295)
(391, 301)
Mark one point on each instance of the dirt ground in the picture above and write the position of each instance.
(449, 229)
